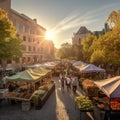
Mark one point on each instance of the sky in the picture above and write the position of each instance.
(62, 18)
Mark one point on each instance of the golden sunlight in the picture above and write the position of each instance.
(50, 35)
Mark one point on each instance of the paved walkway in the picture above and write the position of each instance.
(59, 106)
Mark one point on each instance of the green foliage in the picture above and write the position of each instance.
(84, 103)
(97, 57)
(104, 49)
(114, 18)
(7, 29)
(87, 49)
(70, 51)
(77, 51)
(107, 48)
(65, 51)
(10, 46)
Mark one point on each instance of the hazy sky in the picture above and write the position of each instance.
(64, 17)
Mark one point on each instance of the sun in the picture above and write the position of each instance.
(50, 35)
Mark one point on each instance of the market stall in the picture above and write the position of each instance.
(84, 104)
(23, 85)
(111, 88)
(90, 71)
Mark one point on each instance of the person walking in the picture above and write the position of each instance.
(74, 84)
(68, 83)
(62, 81)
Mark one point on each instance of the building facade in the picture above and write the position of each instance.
(82, 33)
(32, 35)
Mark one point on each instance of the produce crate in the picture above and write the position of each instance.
(115, 104)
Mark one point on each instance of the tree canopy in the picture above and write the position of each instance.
(10, 45)
(100, 50)
(114, 18)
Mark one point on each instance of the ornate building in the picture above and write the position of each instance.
(32, 34)
(83, 32)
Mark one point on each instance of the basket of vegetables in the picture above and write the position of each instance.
(84, 103)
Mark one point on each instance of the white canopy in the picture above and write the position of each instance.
(51, 64)
(36, 66)
(90, 68)
(111, 86)
(45, 65)
(78, 63)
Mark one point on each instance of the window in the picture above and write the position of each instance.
(29, 31)
(24, 29)
(18, 26)
(24, 38)
(25, 48)
(28, 59)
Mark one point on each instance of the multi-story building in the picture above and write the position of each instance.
(82, 33)
(32, 34)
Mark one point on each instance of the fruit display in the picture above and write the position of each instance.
(11, 94)
(46, 86)
(19, 96)
(115, 104)
(84, 103)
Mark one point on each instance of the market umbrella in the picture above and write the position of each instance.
(90, 68)
(26, 76)
(111, 86)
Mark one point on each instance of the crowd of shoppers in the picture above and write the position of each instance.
(68, 81)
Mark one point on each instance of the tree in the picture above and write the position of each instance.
(65, 51)
(10, 45)
(87, 49)
(77, 51)
(107, 48)
(114, 18)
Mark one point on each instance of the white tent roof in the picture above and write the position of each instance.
(111, 86)
(91, 68)
(46, 65)
(78, 63)
(36, 66)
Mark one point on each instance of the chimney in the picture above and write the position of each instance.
(5, 4)
(35, 20)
